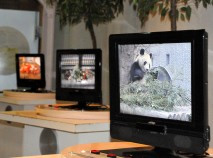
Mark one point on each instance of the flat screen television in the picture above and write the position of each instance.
(30, 72)
(158, 89)
(78, 76)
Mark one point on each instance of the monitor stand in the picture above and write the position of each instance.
(154, 153)
(151, 153)
(31, 90)
(82, 105)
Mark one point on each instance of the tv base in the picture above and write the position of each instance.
(56, 111)
(86, 107)
(152, 153)
(20, 94)
(31, 90)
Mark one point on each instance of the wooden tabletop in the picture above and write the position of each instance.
(92, 146)
(96, 146)
(43, 156)
(24, 98)
(102, 146)
(68, 125)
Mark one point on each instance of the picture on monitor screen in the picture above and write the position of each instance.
(78, 71)
(30, 68)
(155, 80)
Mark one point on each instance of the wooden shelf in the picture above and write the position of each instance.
(54, 111)
(27, 95)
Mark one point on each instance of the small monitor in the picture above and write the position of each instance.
(158, 89)
(30, 72)
(78, 76)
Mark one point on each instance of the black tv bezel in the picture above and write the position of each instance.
(199, 80)
(33, 84)
(75, 94)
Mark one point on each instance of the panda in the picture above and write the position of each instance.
(141, 65)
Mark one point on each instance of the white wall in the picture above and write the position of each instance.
(24, 22)
(78, 37)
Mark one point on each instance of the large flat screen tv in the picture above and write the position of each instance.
(30, 72)
(158, 89)
(78, 76)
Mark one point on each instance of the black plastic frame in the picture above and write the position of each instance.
(73, 94)
(32, 84)
(199, 78)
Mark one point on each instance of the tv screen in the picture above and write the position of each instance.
(78, 71)
(30, 68)
(158, 89)
(30, 71)
(164, 90)
(78, 76)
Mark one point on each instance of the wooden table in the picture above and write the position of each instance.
(26, 119)
(97, 146)
(102, 146)
(12, 132)
(68, 132)
(30, 117)
(27, 99)
(88, 147)
(44, 156)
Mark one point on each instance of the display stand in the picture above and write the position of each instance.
(80, 148)
(12, 132)
(56, 111)
(20, 95)
(115, 149)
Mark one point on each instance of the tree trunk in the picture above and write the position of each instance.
(173, 15)
(92, 34)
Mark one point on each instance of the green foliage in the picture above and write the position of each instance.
(155, 94)
(92, 12)
(182, 8)
(96, 11)
(145, 7)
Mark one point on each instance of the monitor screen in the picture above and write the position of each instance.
(78, 76)
(159, 81)
(30, 71)
(158, 89)
(30, 68)
(78, 71)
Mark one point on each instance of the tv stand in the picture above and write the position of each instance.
(23, 94)
(31, 90)
(155, 152)
(117, 148)
(81, 105)
(151, 153)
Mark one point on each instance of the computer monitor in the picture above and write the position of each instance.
(30, 72)
(78, 76)
(158, 89)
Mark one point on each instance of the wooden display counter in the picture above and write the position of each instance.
(44, 156)
(68, 125)
(63, 111)
(26, 98)
(97, 146)
(102, 146)
(66, 132)
(12, 133)
(28, 95)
